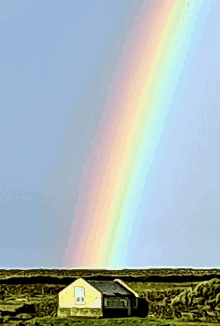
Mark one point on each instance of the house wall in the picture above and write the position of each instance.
(91, 305)
(94, 304)
(117, 306)
(80, 312)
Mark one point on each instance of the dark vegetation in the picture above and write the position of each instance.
(176, 297)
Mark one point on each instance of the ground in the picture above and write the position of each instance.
(35, 303)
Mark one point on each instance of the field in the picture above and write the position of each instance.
(176, 297)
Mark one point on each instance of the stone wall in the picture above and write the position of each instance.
(80, 312)
(198, 304)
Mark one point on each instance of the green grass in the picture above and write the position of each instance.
(72, 321)
(151, 286)
(139, 287)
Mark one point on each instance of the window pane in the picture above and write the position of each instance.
(79, 292)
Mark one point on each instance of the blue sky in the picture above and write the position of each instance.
(57, 60)
(51, 101)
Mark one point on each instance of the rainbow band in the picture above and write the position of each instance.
(115, 179)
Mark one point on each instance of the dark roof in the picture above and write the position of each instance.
(109, 287)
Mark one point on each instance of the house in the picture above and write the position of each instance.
(92, 298)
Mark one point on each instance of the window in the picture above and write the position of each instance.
(124, 302)
(80, 295)
(107, 302)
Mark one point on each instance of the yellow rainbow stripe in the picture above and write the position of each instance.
(123, 149)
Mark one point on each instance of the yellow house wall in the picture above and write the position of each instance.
(67, 298)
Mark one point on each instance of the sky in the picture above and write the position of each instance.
(59, 63)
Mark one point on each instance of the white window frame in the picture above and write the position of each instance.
(80, 295)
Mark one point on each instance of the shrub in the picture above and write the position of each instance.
(46, 307)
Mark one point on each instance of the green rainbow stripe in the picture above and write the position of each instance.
(117, 177)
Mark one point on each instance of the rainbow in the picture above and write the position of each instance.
(116, 177)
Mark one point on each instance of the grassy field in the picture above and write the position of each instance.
(42, 298)
(147, 273)
(159, 286)
(48, 321)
